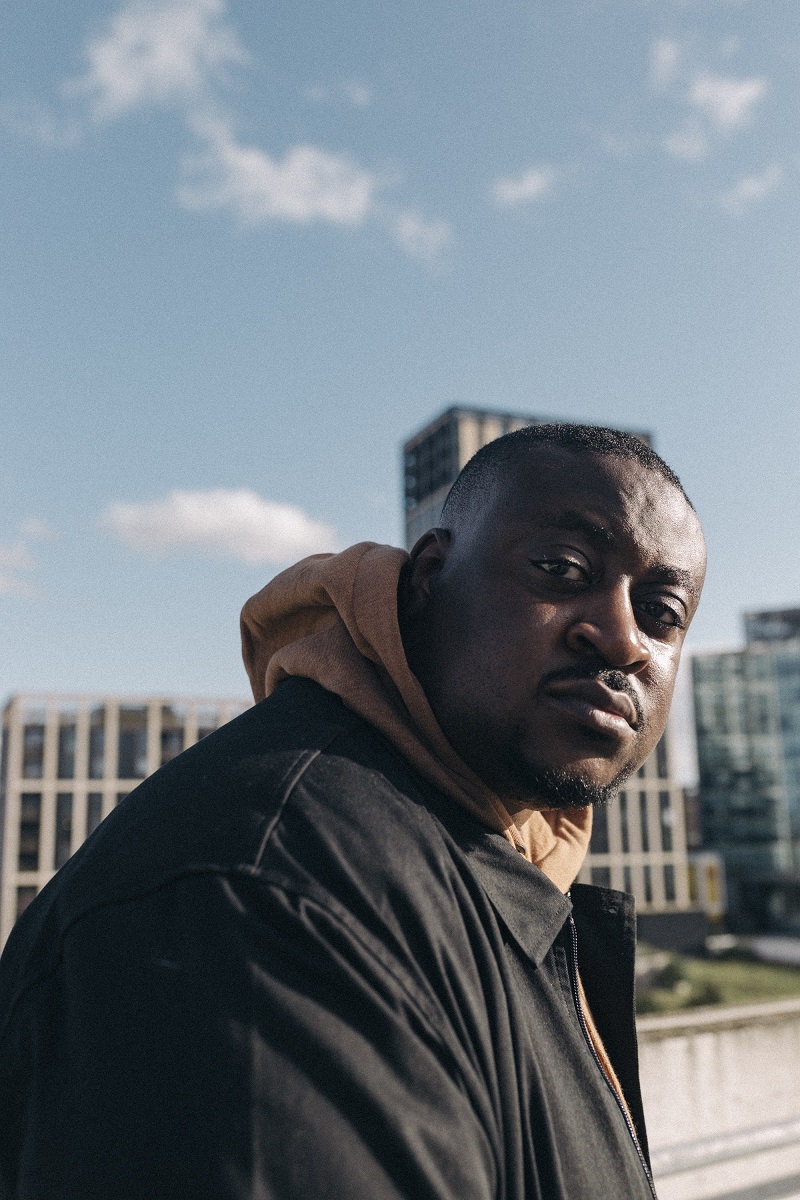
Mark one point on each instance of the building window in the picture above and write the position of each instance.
(669, 883)
(721, 724)
(643, 821)
(30, 820)
(640, 774)
(601, 877)
(758, 713)
(662, 765)
(94, 811)
(97, 743)
(3, 756)
(66, 751)
(627, 881)
(599, 842)
(712, 883)
(63, 839)
(33, 751)
(648, 884)
(431, 464)
(132, 743)
(667, 820)
(207, 722)
(24, 897)
(122, 796)
(623, 823)
(172, 732)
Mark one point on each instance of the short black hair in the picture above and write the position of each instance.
(480, 473)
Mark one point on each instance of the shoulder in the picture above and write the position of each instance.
(298, 791)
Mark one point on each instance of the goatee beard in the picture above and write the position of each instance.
(560, 789)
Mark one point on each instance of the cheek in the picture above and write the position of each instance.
(519, 645)
(497, 640)
(660, 688)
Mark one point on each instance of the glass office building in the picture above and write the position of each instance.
(747, 712)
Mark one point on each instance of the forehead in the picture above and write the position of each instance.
(628, 504)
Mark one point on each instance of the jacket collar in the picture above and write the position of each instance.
(530, 906)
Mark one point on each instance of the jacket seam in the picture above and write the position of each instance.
(246, 871)
(296, 771)
(299, 767)
(345, 919)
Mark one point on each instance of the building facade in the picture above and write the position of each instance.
(747, 715)
(433, 457)
(66, 761)
(639, 841)
(639, 846)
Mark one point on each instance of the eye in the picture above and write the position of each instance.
(563, 568)
(662, 613)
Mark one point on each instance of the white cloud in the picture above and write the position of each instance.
(358, 93)
(155, 53)
(230, 522)
(750, 190)
(15, 556)
(664, 58)
(15, 561)
(307, 184)
(727, 103)
(420, 238)
(531, 185)
(12, 585)
(177, 53)
(36, 528)
(689, 142)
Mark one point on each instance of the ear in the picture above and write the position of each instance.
(426, 561)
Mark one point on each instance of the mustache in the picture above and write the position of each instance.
(616, 681)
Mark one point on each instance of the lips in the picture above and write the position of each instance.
(595, 705)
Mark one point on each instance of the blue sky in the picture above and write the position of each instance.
(248, 248)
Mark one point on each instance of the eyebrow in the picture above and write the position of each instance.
(664, 573)
(659, 573)
(579, 523)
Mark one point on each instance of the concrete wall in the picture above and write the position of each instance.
(722, 1098)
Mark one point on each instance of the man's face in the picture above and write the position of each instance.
(546, 631)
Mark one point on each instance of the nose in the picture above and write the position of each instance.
(608, 630)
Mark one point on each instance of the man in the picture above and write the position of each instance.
(332, 951)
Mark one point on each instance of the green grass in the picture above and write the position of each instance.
(701, 982)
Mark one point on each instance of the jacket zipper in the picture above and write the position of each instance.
(585, 1029)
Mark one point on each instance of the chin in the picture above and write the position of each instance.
(571, 786)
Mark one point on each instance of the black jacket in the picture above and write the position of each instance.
(286, 968)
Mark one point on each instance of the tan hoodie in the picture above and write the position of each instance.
(333, 618)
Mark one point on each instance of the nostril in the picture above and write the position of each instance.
(616, 647)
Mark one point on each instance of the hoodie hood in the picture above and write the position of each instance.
(333, 618)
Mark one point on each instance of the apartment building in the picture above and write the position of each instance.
(639, 846)
(66, 761)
